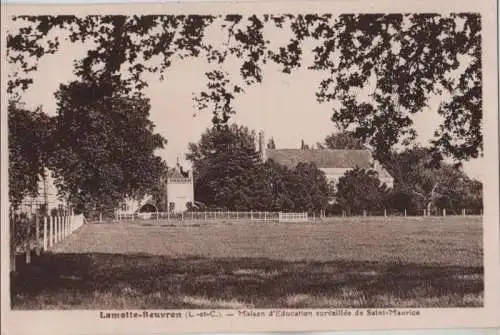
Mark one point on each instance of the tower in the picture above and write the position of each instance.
(180, 189)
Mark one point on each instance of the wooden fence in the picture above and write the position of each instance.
(36, 233)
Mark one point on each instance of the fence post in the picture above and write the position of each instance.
(63, 218)
(100, 217)
(51, 231)
(28, 243)
(251, 215)
(44, 233)
(444, 211)
(205, 214)
(56, 222)
(37, 234)
(70, 223)
(182, 216)
(66, 222)
(63, 226)
(405, 212)
(59, 234)
(385, 212)
(12, 224)
(54, 231)
(58, 219)
(364, 212)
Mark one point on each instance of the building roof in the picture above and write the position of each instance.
(177, 173)
(323, 158)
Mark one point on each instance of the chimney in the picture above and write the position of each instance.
(262, 146)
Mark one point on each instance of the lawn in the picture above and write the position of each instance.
(360, 262)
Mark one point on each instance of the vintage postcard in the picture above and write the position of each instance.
(249, 167)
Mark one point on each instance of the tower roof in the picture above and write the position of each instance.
(177, 172)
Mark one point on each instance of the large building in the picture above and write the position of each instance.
(334, 163)
(47, 198)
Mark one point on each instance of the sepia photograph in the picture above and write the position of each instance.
(306, 161)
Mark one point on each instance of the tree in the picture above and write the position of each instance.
(359, 190)
(28, 134)
(403, 58)
(309, 188)
(411, 58)
(279, 177)
(344, 140)
(229, 174)
(103, 146)
(457, 191)
(424, 180)
(159, 192)
(473, 195)
(225, 163)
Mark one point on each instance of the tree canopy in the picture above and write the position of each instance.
(28, 134)
(224, 165)
(103, 147)
(359, 190)
(422, 180)
(399, 60)
(230, 174)
(343, 140)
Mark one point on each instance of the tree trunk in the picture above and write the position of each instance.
(429, 204)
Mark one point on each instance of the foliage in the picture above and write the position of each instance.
(424, 180)
(400, 60)
(301, 189)
(28, 135)
(309, 187)
(360, 189)
(224, 163)
(230, 175)
(158, 192)
(344, 140)
(411, 58)
(103, 146)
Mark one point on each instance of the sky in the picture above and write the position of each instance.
(283, 106)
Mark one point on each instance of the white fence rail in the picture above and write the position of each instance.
(293, 217)
(278, 216)
(200, 216)
(275, 216)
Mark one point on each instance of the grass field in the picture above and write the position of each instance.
(360, 262)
